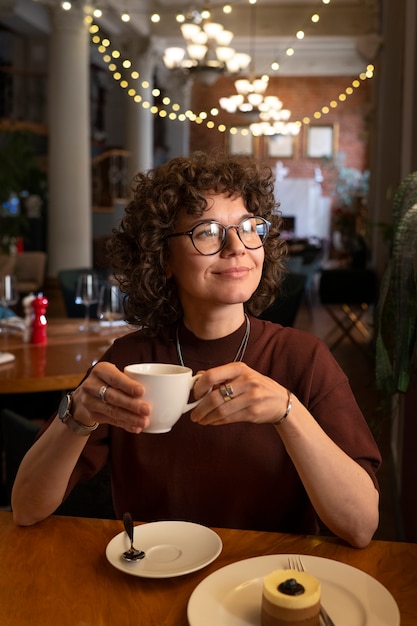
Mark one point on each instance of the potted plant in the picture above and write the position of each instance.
(20, 176)
(396, 349)
(397, 307)
(350, 191)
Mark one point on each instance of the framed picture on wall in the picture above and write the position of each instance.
(281, 146)
(321, 141)
(241, 142)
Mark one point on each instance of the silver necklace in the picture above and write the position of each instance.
(240, 352)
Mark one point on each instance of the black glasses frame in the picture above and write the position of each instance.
(190, 233)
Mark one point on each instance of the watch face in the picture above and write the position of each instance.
(64, 414)
(64, 405)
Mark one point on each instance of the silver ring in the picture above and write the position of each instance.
(102, 393)
(227, 392)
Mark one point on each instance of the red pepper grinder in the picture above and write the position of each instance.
(39, 324)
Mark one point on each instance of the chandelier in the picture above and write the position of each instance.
(266, 113)
(249, 96)
(207, 53)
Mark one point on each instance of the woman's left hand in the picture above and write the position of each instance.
(340, 490)
(239, 394)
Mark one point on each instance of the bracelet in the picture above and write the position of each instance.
(289, 407)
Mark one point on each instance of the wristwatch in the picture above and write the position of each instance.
(64, 414)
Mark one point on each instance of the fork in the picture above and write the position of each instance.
(296, 564)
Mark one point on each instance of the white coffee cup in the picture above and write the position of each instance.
(167, 389)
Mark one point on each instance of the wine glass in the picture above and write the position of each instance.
(9, 295)
(87, 294)
(110, 304)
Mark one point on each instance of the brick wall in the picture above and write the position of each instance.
(303, 96)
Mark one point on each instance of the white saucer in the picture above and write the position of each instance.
(172, 549)
(232, 595)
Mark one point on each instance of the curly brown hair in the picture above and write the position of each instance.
(138, 249)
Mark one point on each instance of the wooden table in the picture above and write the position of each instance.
(60, 363)
(56, 573)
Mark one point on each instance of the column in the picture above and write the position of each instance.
(69, 214)
(177, 86)
(394, 157)
(388, 125)
(179, 89)
(139, 140)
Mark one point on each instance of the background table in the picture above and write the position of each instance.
(60, 363)
(56, 572)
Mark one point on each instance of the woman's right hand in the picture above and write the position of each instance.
(45, 471)
(122, 405)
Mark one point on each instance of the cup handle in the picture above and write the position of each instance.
(192, 405)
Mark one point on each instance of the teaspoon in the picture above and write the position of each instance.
(132, 554)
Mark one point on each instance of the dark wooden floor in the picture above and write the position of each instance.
(358, 364)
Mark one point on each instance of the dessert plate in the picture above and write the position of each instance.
(172, 549)
(232, 595)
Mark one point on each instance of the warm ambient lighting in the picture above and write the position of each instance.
(265, 112)
(208, 53)
(174, 111)
(248, 98)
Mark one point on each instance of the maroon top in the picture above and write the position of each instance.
(236, 475)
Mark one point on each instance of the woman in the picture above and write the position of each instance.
(278, 442)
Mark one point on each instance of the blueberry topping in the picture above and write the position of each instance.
(291, 587)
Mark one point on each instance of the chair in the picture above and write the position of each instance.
(307, 259)
(30, 269)
(7, 263)
(17, 436)
(90, 499)
(346, 295)
(285, 307)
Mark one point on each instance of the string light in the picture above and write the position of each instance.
(172, 110)
(176, 114)
(300, 34)
(206, 117)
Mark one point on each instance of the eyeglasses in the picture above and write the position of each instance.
(210, 237)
